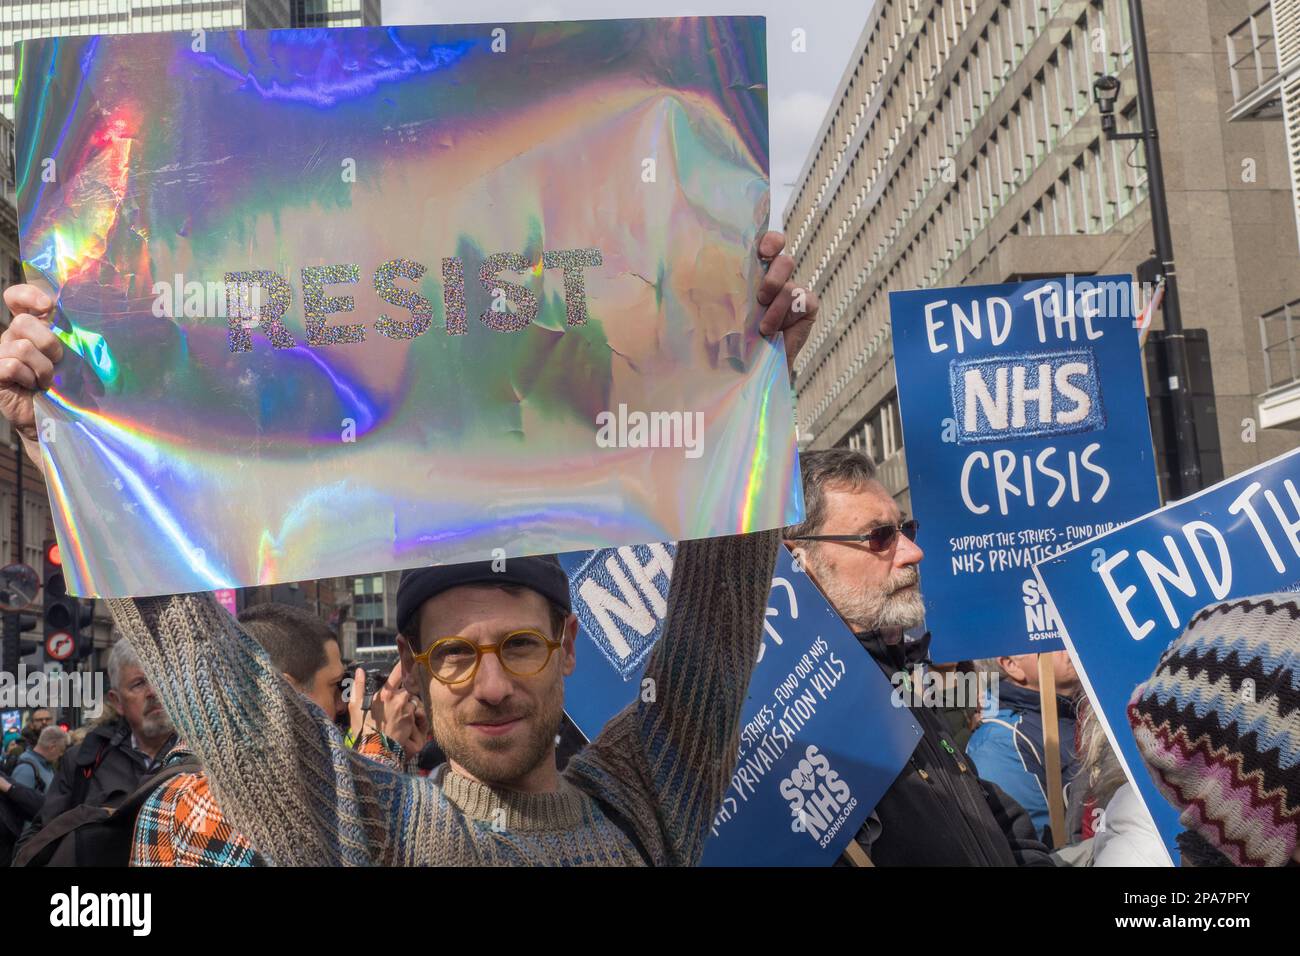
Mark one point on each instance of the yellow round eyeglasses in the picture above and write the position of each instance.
(454, 660)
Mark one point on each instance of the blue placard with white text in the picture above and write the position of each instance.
(1026, 431)
(808, 773)
(1123, 597)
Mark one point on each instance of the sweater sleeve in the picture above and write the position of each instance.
(278, 767)
(665, 761)
(27, 800)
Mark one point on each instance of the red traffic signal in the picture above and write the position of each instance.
(62, 610)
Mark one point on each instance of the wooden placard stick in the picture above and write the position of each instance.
(1052, 751)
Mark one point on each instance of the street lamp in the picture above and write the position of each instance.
(1106, 91)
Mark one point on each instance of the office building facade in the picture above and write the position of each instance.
(963, 146)
(26, 19)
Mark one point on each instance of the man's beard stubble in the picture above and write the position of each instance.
(865, 609)
(498, 761)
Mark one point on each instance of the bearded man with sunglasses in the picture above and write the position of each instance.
(855, 544)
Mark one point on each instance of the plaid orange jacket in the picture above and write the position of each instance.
(181, 825)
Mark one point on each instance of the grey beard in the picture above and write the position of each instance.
(904, 610)
(869, 611)
(154, 727)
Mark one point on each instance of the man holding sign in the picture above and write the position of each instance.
(856, 546)
(492, 662)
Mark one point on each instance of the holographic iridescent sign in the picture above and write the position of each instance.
(349, 300)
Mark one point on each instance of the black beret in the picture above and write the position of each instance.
(540, 573)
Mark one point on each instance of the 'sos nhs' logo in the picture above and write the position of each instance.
(621, 599)
(820, 800)
(1024, 396)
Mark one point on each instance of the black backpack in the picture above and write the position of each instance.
(38, 784)
(96, 836)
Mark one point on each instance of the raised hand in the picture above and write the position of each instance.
(28, 353)
(790, 309)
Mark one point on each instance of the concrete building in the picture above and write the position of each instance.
(963, 146)
(369, 632)
(24, 19)
(1264, 65)
(332, 13)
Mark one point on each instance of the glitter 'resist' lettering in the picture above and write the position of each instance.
(317, 306)
(453, 296)
(419, 307)
(266, 311)
(268, 314)
(575, 290)
(523, 298)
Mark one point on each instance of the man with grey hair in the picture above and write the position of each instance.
(1009, 745)
(857, 547)
(35, 767)
(117, 755)
(22, 794)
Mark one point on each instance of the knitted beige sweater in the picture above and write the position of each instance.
(283, 776)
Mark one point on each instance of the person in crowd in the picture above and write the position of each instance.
(1008, 746)
(856, 546)
(35, 768)
(960, 715)
(77, 734)
(1216, 724)
(492, 648)
(37, 720)
(181, 824)
(1122, 831)
(40, 719)
(23, 791)
(18, 804)
(115, 756)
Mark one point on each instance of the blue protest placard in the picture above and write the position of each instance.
(1121, 598)
(808, 773)
(1025, 422)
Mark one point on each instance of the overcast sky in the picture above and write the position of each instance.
(800, 84)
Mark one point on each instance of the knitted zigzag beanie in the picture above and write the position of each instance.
(1218, 725)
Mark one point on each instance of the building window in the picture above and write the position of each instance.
(36, 517)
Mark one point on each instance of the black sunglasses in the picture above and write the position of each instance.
(877, 539)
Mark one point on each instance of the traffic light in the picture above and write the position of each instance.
(11, 646)
(85, 632)
(63, 612)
